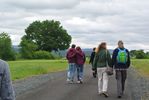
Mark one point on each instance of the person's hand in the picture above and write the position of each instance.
(77, 51)
(93, 69)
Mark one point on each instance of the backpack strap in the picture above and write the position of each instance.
(121, 49)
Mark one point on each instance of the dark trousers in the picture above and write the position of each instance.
(94, 71)
(121, 76)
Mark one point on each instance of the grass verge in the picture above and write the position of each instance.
(142, 65)
(27, 68)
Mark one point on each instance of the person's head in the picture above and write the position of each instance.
(78, 48)
(120, 44)
(73, 46)
(94, 49)
(103, 45)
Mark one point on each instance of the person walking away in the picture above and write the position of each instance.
(101, 61)
(6, 88)
(91, 62)
(121, 62)
(71, 57)
(80, 60)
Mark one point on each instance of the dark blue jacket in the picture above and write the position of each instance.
(92, 58)
(120, 65)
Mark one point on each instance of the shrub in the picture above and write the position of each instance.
(6, 51)
(42, 55)
(140, 54)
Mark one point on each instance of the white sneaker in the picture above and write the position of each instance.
(71, 82)
(68, 80)
(78, 82)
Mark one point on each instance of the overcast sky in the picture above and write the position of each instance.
(89, 22)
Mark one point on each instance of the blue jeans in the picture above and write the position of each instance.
(71, 71)
(80, 72)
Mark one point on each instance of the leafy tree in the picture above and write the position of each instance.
(48, 35)
(133, 53)
(140, 54)
(27, 48)
(6, 51)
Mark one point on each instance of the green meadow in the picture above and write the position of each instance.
(142, 65)
(28, 68)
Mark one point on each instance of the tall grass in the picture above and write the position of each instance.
(142, 65)
(27, 68)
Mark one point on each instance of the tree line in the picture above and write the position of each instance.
(41, 37)
(139, 54)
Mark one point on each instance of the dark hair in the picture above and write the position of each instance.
(73, 46)
(78, 48)
(94, 49)
(101, 46)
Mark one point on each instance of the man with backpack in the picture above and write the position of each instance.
(6, 89)
(121, 62)
(71, 57)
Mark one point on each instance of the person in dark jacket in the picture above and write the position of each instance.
(6, 88)
(91, 62)
(80, 60)
(71, 57)
(121, 62)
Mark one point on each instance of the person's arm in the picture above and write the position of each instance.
(84, 58)
(80, 53)
(7, 92)
(91, 58)
(114, 57)
(95, 61)
(128, 62)
(109, 59)
(71, 55)
(67, 56)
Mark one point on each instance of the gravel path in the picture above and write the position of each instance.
(139, 85)
(22, 86)
(58, 89)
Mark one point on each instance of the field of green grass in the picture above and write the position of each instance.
(142, 65)
(27, 68)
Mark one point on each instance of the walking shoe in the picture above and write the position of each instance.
(79, 82)
(105, 94)
(70, 81)
(94, 74)
(119, 97)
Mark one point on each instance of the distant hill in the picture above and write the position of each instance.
(87, 51)
(62, 53)
(16, 48)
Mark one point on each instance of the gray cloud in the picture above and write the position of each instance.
(88, 21)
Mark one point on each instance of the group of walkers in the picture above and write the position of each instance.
(76, 58)
(103, 65)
